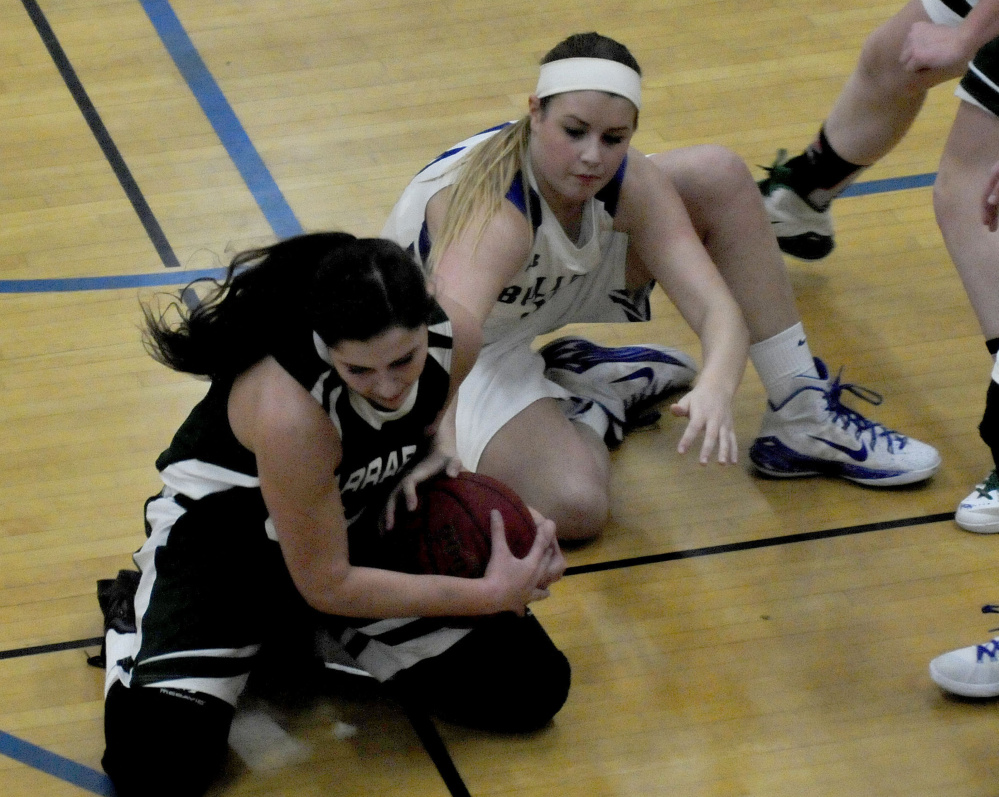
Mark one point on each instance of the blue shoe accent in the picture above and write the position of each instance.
(579, 355)
(627, 381)
(774, 458)
(812, 432)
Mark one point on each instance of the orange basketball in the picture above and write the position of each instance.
(449, 532)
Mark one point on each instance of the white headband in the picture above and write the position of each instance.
(321, 348)
(590, 74)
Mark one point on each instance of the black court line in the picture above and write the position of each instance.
(618, 564)
(436, 749)
(103, 137)
(55, 647)
(766, 542)
(423, 724)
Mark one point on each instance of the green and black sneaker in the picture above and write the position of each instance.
(802, 231)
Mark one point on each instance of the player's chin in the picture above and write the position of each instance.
(582, 190)
(388, 404)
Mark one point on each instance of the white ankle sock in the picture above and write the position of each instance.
(778, 360)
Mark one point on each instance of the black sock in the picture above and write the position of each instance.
(818, 174)
(989, 427)
(993, 346)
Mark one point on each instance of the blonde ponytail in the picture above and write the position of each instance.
(478, 193)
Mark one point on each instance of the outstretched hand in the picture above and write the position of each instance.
(710, 414)
(433, 464)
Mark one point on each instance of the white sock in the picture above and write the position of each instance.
(778, 360)
(995, 371)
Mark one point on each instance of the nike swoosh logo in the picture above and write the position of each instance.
(641, 373)
(858, 455)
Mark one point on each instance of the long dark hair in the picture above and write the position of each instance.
(342, 287)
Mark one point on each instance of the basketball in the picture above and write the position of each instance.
(449, 532)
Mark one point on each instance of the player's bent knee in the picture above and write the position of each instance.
(880, 67)
(527, 700)
(727, 167)
(946, 203)
(538, 700)
(708, 177)
(581, 508)
(527, 678)
(162, 742)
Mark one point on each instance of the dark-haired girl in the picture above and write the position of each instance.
(329, 363)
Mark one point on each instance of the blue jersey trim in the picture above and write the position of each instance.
(455, 150)
(516, 195)
(610, 194)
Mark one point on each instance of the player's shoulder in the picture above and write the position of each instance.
(268, 407)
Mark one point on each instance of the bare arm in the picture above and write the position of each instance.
(467, 279)
(469, 276)
(933, 46)
(297, 449)
(669, 248)
(466, 340)
(475, 268)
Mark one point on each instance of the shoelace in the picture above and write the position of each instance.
(991, 648)
(990, 485)
(777, 171)
(846, 417)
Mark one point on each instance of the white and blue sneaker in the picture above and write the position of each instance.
(971, 671)
(626, 381)
(979, 512)
(812, 433)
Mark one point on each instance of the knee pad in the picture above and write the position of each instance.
(164, 742)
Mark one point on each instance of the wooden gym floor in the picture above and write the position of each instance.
(729, 635)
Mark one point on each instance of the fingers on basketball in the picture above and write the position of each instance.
(450, 533)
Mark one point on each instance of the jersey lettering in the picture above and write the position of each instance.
(537, 297)
(378, 470)
(392, 466)
(509, 294)
(374, 473)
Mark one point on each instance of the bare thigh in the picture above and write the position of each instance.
(560, 468)
(972, 149)
(726, 208)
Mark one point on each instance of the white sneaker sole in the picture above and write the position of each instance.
(960, 688)
(978, 526)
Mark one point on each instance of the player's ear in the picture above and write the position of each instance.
(534, 109)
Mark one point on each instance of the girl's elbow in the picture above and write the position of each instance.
(324, 589)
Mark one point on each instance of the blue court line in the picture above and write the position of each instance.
(184, 277)
(891, 184)
(59, 285)
(222, 117)
(101, 134)
(254, 171)
(63, 768)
